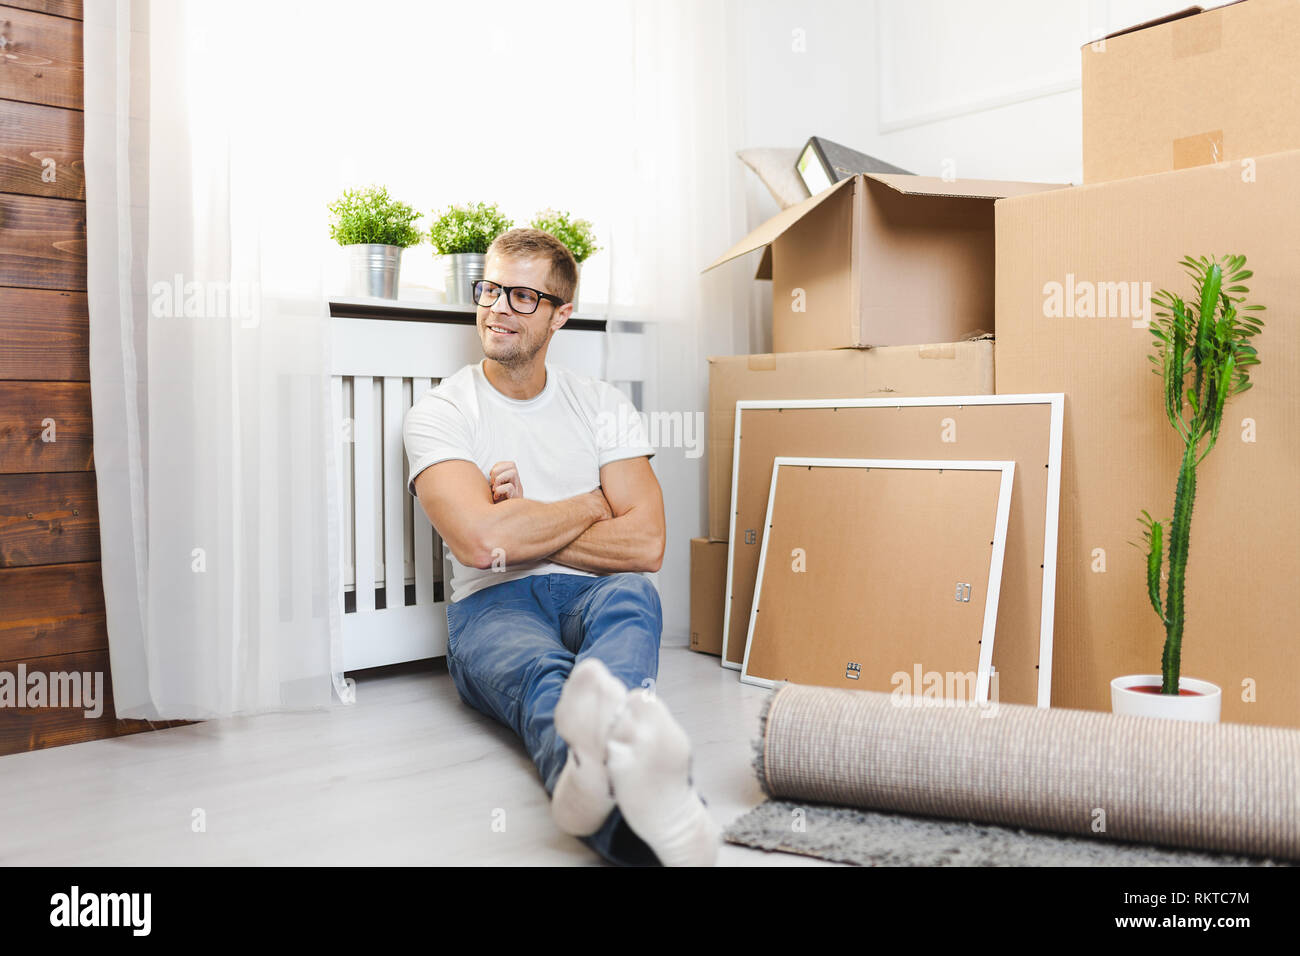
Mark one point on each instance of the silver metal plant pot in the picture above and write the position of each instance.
(374, 270)
(460, 271)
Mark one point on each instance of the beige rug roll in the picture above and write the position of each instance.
(1226, 787)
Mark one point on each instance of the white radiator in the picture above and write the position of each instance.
(395, 578)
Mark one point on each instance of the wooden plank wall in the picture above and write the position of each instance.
(51, 594)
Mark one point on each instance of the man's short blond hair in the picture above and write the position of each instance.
(536, 244)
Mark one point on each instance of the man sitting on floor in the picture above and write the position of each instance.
(550, 621)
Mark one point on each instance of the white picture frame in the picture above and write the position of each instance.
(1056, 402)
(993, 586)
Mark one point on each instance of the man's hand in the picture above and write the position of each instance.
(505, 481)
(506, 484)
(602, 503)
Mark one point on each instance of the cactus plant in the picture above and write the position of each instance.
(1203, 354)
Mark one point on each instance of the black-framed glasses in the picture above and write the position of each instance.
(522, 299)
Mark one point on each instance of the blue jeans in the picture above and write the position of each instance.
(511, 647)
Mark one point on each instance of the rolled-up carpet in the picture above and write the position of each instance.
(1226, 787)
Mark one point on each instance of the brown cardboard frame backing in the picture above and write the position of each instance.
(895, 569)
(1026, 429)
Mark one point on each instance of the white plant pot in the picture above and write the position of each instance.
(1202, 706)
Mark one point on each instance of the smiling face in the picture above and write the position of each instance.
(511, 339)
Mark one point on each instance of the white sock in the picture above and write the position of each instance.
(591, 700)
(649, 760)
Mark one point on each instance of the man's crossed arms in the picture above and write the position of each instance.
(618, 526)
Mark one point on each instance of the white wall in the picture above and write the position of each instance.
(985, 89)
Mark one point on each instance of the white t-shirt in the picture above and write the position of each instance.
(559, 440)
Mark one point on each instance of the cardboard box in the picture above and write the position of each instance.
(708, 589)
(881, 259)
(1193, 88)
(1120, 452)
(956, 368)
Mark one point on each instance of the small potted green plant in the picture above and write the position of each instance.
(1202, 353)
(578, 236)
(460, 236)
(374, 228)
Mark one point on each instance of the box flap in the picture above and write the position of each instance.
(768, 232)
(1153, 22)
(959, 188)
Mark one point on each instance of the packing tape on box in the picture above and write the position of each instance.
(1195, 35)
(1198, 150)
(936, 351)
(1225, 787)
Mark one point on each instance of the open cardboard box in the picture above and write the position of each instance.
(1196, 87)
(881, 259)
(1064, 258)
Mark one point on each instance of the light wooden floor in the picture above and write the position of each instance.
(407, 775)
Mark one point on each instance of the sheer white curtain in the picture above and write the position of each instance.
(682, 204)
(209, 355)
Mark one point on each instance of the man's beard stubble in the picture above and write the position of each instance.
(519, 356)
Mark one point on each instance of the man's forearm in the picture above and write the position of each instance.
(521, 530)
(615, 544)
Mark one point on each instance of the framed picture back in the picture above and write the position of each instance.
(1025, 429)
(881, 575)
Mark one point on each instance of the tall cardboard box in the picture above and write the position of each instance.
(956, 368)
(708, 594)
(881, 259)
(1193, 88)
(1071, 319)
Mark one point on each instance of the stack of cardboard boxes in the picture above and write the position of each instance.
(886, 284)
(882, 285)
(1186, 127)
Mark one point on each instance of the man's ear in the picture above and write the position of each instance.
(560, 316)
